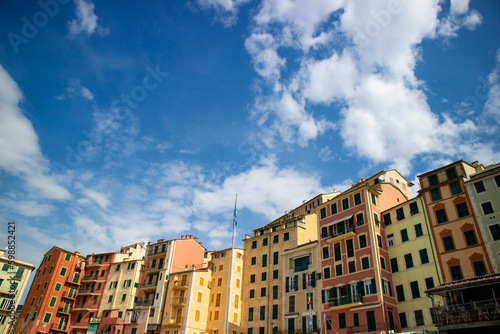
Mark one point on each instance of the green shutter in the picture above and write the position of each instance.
(361, 288)
(287, 284)
(296, 282)
(304, 279)
(313, 281)
(374, 287)
(323, 298)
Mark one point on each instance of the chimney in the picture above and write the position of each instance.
(182, 237)
(195, 239)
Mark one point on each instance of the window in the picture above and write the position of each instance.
(419, 317)
(365, 263)
(497, 180)
(352, 267)
(362, 241)
(455, 188)
(408, 261)
(429, 283)
(67, 257)
(275, 292)
(275, 274)
(495, 231)
(359, 219)
(197, 316)
(382, 263)
(448, 243)
(413, 208)
(479, 268)
(337, 251)
(237, 282)
(200, 296)
(219, 281)
(375, 217)
(350, 248)
(275, 311)
(456, 273)
(338, 270)
(262, 292)
(394, 265)
(301, 264)
(46, 318)
(252, 293)
(415, 292)
(470, 238)
(254, 244)
(370, 287)
(254, 261)
(356, 320)
(441, 216)
(387, 219)
(479, 187)
(326, 272)
(217, 300)
(292, 283)
(374, 199)
(333, 208)
(357, 199)
(345, 204)
(323, 213)
(286, 236)
(58, 287)
(276, 239)
(326, 253)
(291, 304)
(400, 214)
(264, 276)
(252, 278)
(264, 242)
(110, 298)
(263, 313)
(487, 208)
(63, 271)
(424, 258)
(390, 240)
(402, 320)
(379, 239)
(275, 258)
(400, 293)
(404, 235)
(435, 194)
(342, 322)
(451, 173)
(462, 210)
(418, 230)
(52, 301)
(124, 296)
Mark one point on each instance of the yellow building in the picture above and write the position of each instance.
(459, 244)
(301, 303)
(413, 263)
(263, 279)
(187, 302)
(219, 301)
(14, 275)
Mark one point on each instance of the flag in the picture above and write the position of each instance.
(309, 308)
(234, 220)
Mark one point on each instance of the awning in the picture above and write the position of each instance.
(338, 221)
(151, 327)
(293, 315)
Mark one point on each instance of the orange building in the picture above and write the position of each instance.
(459, 244)
(50, 300)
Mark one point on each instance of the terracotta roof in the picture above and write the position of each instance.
(466, 283)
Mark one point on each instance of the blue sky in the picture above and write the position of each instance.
(131, 121)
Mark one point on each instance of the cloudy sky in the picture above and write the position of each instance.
(132, 121)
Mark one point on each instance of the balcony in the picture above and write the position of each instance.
(181, 284)
(59, 328)
(81, 306)
(179, 301)
(144, 302)
(88, 278)
(338, 230)
(177, 321)
(73, 280)
(94, 264)
(64, 310)
(88, 290)
(148, 285)
(152, 252)
(372, 327)
(95, 320)
(149, 270)
(481, 311)
(67, 295)
(340, 302)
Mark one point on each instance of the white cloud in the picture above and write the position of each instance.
(86, 20)
(20, 153)
(95, 196)
(75, 88)
(263, 49)
(459, 17)
(492, 105)
(27, 208)
(225, 10)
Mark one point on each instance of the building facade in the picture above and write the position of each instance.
(356, 282)
(14, 275)
(413, 263)
(456, 235)
(51, 298)
(483, 189)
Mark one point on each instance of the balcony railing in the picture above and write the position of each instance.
(72, 280)
(64, 310)
(177, 321)
(92, 277)
(181, 284)
(66, 294)
(144, 302)
(95, 320)
(373, 327)
(486, 310)
(345, 300)
(159, 251)
(81, 306)
(148, 285)
(339, 229)
(86, 289)
(59, 327)
(179, 301)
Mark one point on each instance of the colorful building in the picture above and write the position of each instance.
(356, 285)
(263, 269)
(226, 265)
(483, 189)
(301, 303)
(14, 276)
(51, 298)
(413, 263)
(121, 288)
(163, 258)
(459, 244)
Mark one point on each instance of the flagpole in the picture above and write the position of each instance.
(231, 266)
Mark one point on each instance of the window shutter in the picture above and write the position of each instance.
(374, 287)
(361, 288)
(304, 281)
(323, 298)
(390, 289)
(296, 282)
(313, 279)
(287, 284)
